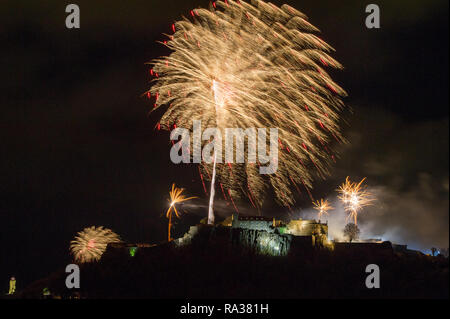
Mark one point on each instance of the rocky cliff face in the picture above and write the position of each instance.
(245, 240)
(262, 242)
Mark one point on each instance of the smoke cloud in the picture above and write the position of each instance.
(406, 165)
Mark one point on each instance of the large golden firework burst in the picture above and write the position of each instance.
(253, 65)
(90, 243)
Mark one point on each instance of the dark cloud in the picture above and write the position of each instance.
(406, 165)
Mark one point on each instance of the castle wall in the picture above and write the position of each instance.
(306, 228)
(253, 222)
(254, 225)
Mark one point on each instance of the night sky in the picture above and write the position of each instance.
(78, 147)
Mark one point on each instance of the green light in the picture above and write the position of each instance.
(133, 251)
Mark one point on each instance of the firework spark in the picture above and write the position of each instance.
(322, 207)
(253, 65)
(90, 243)
(354, 196)
(176, 197)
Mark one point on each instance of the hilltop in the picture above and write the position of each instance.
(211, 266)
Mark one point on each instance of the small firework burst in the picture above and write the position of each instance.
(322, 207)
(354, 196)
(175, 198)
(90, 243)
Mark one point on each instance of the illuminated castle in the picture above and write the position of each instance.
(275, 237)
(296, 227)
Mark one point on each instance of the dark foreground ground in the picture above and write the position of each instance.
(214, 269)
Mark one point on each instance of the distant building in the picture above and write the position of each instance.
(400, 248)
(369, 240)
(371, 248)
(303, 227)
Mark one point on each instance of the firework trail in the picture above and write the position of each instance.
(354, 196)
(176, 197)
(253, 65)
(90, 243)
(322, 208)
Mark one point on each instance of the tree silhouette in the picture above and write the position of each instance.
(351, 231)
